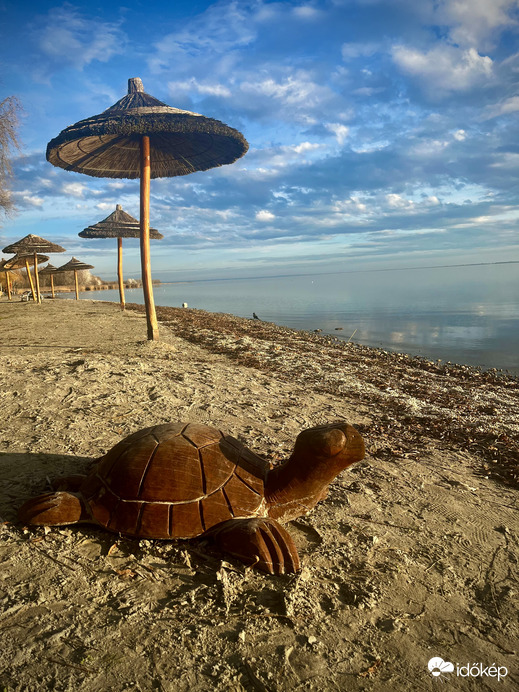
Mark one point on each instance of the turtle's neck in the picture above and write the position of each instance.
(295, 487)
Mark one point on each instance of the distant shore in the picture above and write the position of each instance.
(105, 286)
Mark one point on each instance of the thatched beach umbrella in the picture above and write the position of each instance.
(118, 225)
(33, 244)
(49, 270)
(74, 265)
(19, 261)
(141, 137)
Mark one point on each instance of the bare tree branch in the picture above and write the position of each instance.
(9, 143)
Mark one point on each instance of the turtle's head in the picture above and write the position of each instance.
(336, 446)
(319, 455)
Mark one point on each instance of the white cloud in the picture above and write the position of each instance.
(24, 197)
(510, 105)
(395, 201)
(264, 215)
(460, 135)
(73, 189)
(444, 69)
(304, 146)
(358, 50)
(193, 85)
(306, 12)
(475, 22)
(340, 131)
(298, 93)
(223, 27)
(272, 160)
(428, 147)
(349, 206)
(69, 37)
(45, 182)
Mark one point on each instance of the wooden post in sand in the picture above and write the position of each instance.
(8, 285)
(37, 278)
(75, 284)
(52, 285)
(147, 286)
(27, 268)
(120, 272)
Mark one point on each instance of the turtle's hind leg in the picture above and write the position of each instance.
(52, 509)
(260, 542)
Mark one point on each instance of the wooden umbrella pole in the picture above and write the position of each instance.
(37, 278)
(75, 284)
(52, 285)
(120, 271)
(8, 282)
(27, 269)
(147, 286)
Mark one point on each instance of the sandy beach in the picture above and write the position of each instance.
(412, 555)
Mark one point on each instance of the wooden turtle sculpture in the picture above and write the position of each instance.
(182, 480)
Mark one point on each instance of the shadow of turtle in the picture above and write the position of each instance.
(25, 475)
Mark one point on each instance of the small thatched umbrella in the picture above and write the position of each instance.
(33, 244)
(3, 262)
(118, 225)
(19, 261)
(141, 137)
(49, 270)
(74, 265)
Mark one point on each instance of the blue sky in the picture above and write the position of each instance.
(383, 133)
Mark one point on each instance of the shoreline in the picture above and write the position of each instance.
(413, 546)
(344, 339)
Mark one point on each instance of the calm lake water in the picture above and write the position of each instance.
(467, 314)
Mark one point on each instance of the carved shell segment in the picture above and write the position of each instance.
(138, 491)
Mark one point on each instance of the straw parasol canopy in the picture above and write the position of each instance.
(33, 244)
(119, 224)
(49, 270)
(74, 265)
(20, 261)
(181, 142)
(142, 137)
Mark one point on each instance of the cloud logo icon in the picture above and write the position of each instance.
(437, 666)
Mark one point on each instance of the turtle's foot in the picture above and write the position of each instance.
(52, 509)
(262, 543)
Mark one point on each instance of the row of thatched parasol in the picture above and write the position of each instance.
(119, 224)
(27, 252)
(139, 137)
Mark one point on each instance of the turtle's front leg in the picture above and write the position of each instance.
(260, 542)
(52, 509)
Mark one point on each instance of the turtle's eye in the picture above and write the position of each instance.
(329, 442)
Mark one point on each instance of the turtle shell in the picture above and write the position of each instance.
(175, 481)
